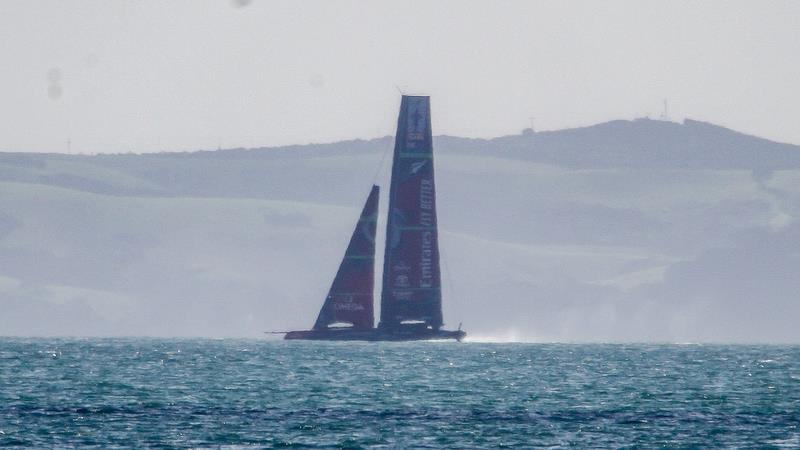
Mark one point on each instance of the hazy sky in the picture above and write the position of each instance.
(117, 76)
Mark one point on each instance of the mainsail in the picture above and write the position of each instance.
(350, 298)
(411, 281)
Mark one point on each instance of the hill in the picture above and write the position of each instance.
(628, 230)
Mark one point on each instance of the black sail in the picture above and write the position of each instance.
(411, 279)
(350, 298)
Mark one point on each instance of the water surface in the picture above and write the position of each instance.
(264, 394)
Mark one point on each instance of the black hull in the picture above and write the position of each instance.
(376, 335)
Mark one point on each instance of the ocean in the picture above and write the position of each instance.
(186, 393)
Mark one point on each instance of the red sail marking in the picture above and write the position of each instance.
(350, 298)
(411, 279)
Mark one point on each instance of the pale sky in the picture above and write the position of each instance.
(118, 76)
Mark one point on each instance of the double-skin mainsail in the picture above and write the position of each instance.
(411, 282)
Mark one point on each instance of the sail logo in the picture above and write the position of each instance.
(416, 123)
(402, 296)
(402, 281)
(415, 167)
(346, 303)
(417, 117)
(426, 194)
(426, 261)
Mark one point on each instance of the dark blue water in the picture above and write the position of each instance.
(265, 394)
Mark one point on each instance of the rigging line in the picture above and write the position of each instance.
(379, 281)
(383, 160)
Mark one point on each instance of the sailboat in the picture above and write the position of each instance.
(411, 295)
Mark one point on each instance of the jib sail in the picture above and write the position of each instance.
(350, 298)
(411, 282)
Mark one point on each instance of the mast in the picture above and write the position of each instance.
(411, 278)
(350, 297)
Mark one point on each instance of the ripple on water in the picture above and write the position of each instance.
(237, 394)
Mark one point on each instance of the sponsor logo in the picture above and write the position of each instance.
(417, 117)
(426, 261)
(402, 281)
(415, 137)
(346, 303)
(426, 194)
(402, 295)
(417, 123)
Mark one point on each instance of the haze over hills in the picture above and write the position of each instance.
(639, 230)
